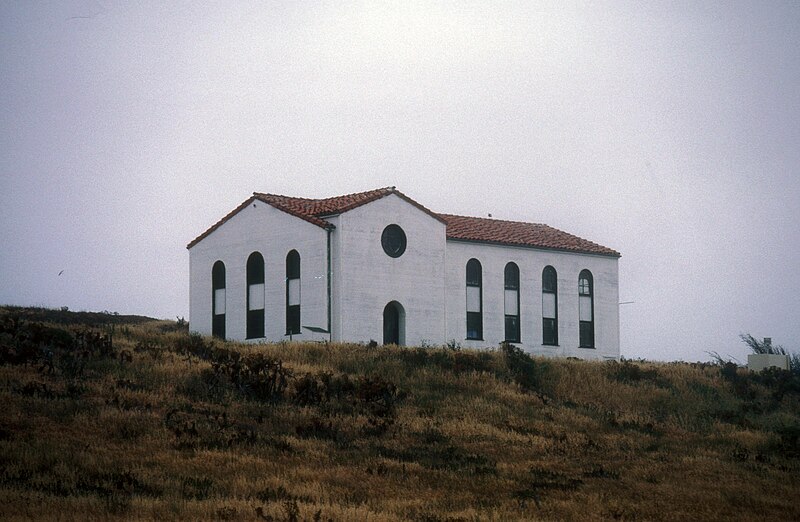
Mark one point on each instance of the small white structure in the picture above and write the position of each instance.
(377, 265)
(761, 361)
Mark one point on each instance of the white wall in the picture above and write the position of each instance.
(273, 233)
(366, 279)
(757, 362)
(531, 262)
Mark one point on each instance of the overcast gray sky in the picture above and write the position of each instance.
(669, 131)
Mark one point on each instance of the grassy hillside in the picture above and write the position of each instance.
(139, 419)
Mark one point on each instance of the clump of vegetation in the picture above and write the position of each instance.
(522, 368)
(111, 419)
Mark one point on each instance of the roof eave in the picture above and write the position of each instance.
(305, 217)
(421, 207)
(380, 194)
(256, 197)
(615, 254)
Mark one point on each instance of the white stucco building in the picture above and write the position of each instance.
(379, 266)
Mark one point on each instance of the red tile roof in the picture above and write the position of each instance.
(316, 208)
(496, 231)
(459, 228)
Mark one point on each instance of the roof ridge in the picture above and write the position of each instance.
(388, 189)
(366, 193)
(361, 193)
(444, 215)
(268, 194)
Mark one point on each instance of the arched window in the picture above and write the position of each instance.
(549, 306)
(512, 302)
(586, 309)
(255, 296)
(218, 300)
(474, 300)
(292, 293)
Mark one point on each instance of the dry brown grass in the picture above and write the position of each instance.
(393, 434)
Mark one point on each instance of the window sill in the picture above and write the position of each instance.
(474, 339)
(551, 345)
(587, 347)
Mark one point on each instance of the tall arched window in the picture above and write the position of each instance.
(218, 300)
(512, 302)
(255, 296)
(549, 306)
(292, 293)
(474, 300)
(586, 309)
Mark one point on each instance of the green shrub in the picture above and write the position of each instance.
(521, 366)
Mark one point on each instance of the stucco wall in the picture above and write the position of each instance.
(531, 262)
(273, 233)
(366, 279)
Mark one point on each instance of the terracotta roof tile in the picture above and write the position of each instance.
(323, 207)
(300, 207)
(501, 232)
(461, 228)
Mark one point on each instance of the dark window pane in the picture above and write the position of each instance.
(474, 325)
(473, 272)
(293, 265)
(512, 328)
(218, 275)
(549, 332)
(587, 334)
(393, 241)
(255, 269)
(293, 319)
(512, 276)
(585, 283)
(255, 324)
(218, 326)
(549, 279)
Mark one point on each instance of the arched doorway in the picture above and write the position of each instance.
(394, 324)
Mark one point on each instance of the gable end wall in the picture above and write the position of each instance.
(366, 279)
(263, 228)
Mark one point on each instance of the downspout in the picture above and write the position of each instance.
(330, 332)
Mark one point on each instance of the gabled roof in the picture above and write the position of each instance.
(313, 210)
(459, 228)
(516, 233)
(316, 208)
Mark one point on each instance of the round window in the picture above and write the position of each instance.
(393, 241)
